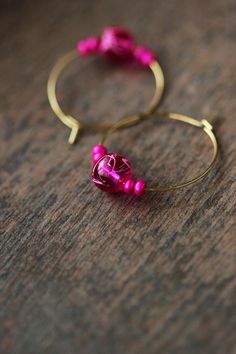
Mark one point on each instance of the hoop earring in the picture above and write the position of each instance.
(117, 44)
(112, 172)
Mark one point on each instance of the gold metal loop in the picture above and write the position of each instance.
(74, 124)
(202, 124)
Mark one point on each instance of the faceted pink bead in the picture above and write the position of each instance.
(97, 156)
(144, 56)
(117, 43)
(139, 188)
(99, 149)
(111, 172)
(129, 186)
(88, 46)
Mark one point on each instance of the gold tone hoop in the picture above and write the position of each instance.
(202, 124)
(74, 124)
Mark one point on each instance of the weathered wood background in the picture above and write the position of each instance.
(91, 273)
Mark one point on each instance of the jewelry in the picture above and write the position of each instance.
(113, 173)
(117, 44)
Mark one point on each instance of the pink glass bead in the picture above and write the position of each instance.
(111, 172)
(97, 156)
(139, 188)
(99, 148)
(117, 43)
(88, 46)
(128, 186)
(144, 56)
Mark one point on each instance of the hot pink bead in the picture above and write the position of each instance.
(99, 148)
(88, 46)
(139, 188)
(111, 172)
(117, 43)
(97, 156)
(144, 56)
(128, 186)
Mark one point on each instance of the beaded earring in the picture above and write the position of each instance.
(113, 173)
(116, 44)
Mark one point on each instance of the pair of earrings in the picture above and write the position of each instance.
(112, 172)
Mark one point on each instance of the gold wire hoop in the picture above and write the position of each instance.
(202, 124)
(74, 124)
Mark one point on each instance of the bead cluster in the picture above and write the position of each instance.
(113, 173)
(116, 43)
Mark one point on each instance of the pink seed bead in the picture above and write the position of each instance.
(88, 46)
(139, 187)
(144, 56)
(117, 43)
(99, 148)
(97, 156)
(129, 186)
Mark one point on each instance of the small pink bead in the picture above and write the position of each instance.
(99, 148)
(144, 56)
(139, 187)
(129, 186)
(88, 46)
(117, 43)
(97, 156)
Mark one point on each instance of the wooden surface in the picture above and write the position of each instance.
(91, 273)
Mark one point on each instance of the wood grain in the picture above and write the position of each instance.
(91, 273)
